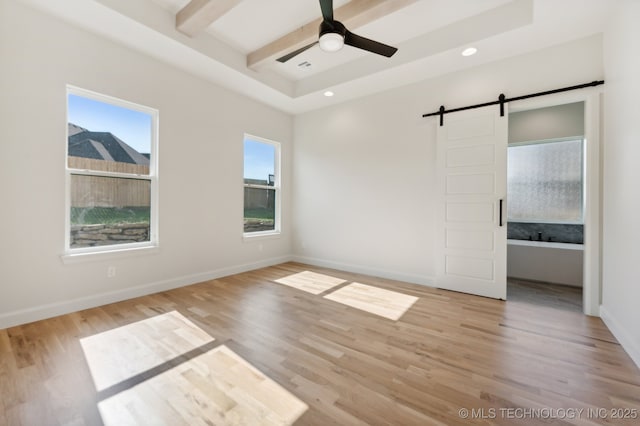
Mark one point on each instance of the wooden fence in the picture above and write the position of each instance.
(98, 191)
(257, 198)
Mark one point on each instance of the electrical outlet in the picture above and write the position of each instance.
(111, 271)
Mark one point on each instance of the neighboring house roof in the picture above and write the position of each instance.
(75, 129)
(102, 146)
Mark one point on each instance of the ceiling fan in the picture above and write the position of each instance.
(334, 35)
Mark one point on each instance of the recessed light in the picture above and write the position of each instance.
(328, 93)
(469, 51)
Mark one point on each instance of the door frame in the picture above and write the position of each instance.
(592, 255)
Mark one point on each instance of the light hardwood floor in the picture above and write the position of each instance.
(448, 352)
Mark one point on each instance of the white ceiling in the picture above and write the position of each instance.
(430, 35)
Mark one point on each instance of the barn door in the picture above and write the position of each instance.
(472, 183)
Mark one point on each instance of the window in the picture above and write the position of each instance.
(111, 173)
(261, 186)
(545, 182)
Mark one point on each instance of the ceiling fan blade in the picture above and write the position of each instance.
(288, 56)
(372, 46)
(327, 9)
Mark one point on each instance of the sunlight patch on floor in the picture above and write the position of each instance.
(311, 282)
(124, 352)
(167, 371)
(218, 387)
(378, 301)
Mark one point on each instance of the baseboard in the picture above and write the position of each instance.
(50, 310)
(625, 338)
(366, 270)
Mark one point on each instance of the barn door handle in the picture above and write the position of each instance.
(500, 208)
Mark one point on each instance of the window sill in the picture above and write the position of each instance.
(120, 253)
(266, 235)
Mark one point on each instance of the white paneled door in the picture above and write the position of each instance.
(472, 223)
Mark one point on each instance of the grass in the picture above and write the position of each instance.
(109, 215)
(268, 214)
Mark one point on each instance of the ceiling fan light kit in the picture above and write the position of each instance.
(333, 35)
(331, 42)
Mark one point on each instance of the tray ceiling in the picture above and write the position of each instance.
(430, 35)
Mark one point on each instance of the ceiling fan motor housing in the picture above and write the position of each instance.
(332, 35)
(332, 27)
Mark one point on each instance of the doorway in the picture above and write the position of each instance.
(475, 263)
(589, 101)
(545, 192)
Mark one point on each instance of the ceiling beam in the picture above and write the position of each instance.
(196, 16)
(354, 14)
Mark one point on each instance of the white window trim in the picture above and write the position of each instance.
(275, 233)
(123, 253)
(73, 255)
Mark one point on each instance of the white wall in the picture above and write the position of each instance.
(201, 195)
(560, 121)
(621, 274)
(555, 263)
(364, 171)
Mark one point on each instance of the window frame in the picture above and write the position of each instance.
(153, 243)
(276, 231)
(583, 141)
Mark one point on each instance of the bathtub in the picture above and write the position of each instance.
(558, 263)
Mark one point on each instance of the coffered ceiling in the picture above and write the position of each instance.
(234, 43)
